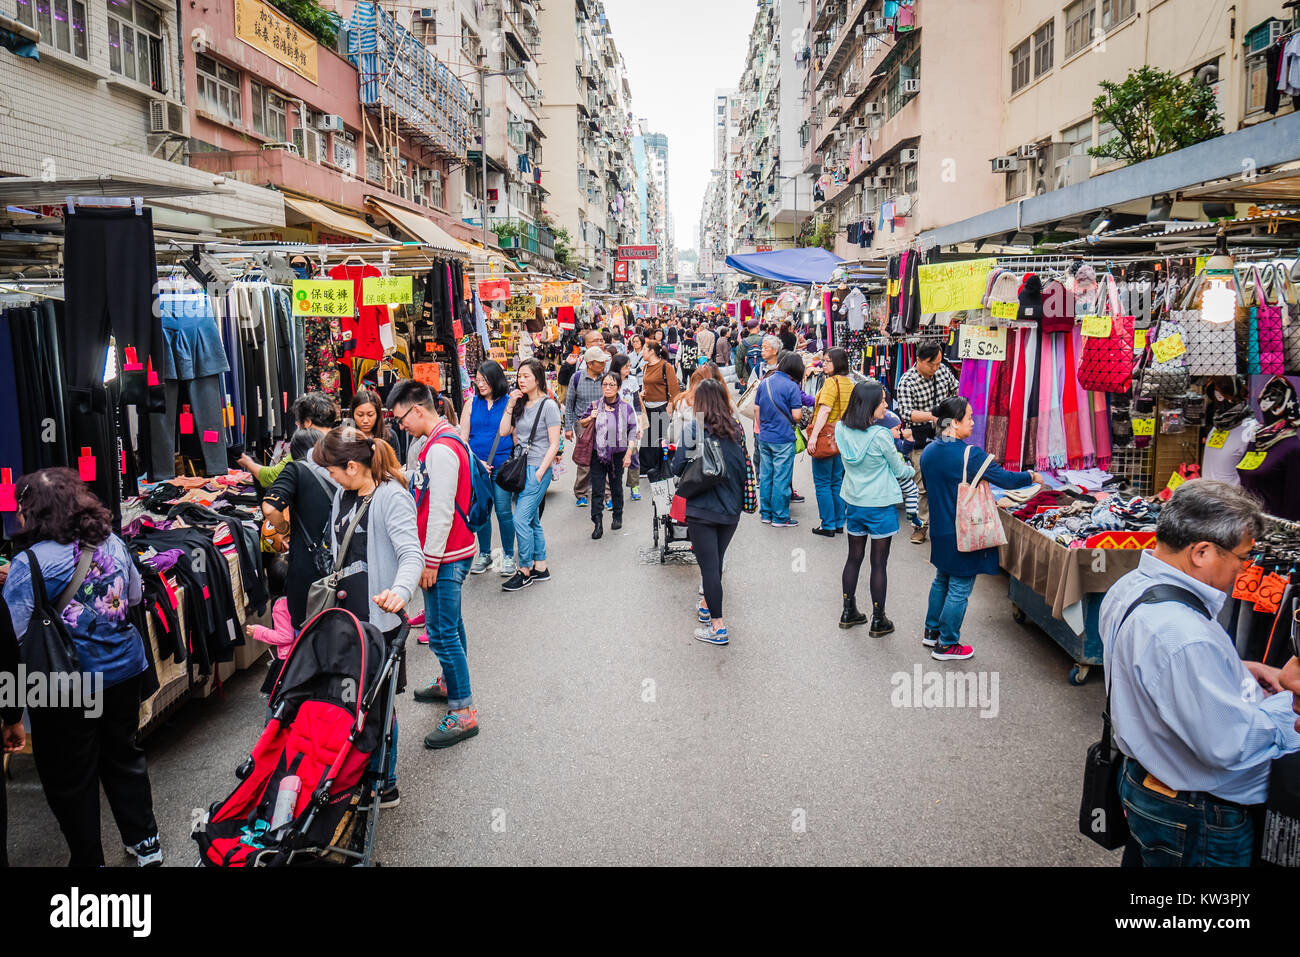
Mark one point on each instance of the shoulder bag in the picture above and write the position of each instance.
(823, 443)
(1268, 326)
(1290, 304)
(800, 443)
(1101, 811)
(1162, 379)
(1210, 346)
(746, 404)
(583, 448)
(513, 475)
(978, 524)
(705, 471)
(323, 593)
(1106, 365)
(47, 645)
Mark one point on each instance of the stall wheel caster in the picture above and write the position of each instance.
(1018, 615)
(1079, 674)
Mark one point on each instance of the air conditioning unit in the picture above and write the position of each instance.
(885, 172)
(1005, 164)
(1027, 151)
(1072, 170)
(168, 117)
(878, 25)
(871, 109)
(330, 123)
(309, 144)
(911, 86)
(287, 147)
(908, 156)
(857, 31)
(859, 122)
(881, 182)
(425, 13)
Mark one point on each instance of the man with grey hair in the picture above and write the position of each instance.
(1198, 727)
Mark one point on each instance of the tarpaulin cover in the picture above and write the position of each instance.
(812, 264)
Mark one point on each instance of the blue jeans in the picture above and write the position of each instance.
(948, 597)
(505, 522)
(1193, 829)
(446, 630)
(828, 476)
(528, 524)
(775, 474)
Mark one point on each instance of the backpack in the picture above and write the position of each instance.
(754, 356)
(480, 496)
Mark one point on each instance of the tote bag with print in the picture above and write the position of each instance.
(978, 524)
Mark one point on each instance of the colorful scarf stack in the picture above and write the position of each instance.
(973, 386)
(999, 417)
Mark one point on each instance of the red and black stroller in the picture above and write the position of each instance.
(331, 709)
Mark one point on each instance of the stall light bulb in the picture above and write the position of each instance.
(1218, 302)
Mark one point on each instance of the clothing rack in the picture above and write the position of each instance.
(23, 291)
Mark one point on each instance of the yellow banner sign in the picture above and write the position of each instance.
(322, 297)
(947, 287)
(982, 342)
(386, 290)
(558, 294)
(266, 29)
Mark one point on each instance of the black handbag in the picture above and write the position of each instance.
(512, 477)
(47, 646)
(1101, 812)
(705, 471)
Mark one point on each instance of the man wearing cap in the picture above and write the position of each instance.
(584, 389)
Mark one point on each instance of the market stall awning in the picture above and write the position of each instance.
(419, 227)
(485, 259)
(36, 191)
(335, 221)
(803, 266)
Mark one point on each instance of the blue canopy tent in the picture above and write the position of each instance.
(802, 266)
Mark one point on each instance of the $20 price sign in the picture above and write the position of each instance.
(982, 342)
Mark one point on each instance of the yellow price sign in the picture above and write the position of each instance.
(1251, 461)
(1003, 310)
(386, 290)
(1175, 480)
(1139, 338)
(1170, 347)
(1217, 438)
(322, 297)
(1144, 426)
(1097, 327)
(982, 342)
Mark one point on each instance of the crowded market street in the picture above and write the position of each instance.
(781, 749)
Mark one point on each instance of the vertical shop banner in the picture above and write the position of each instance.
(947, 287)
(322, 297)
(620, 270)
(266, 29)
(386, 290)
(494, 290)
(556, 295)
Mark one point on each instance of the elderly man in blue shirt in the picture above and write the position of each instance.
(1198, 726)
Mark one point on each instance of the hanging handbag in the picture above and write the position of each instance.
(1290, 303)
(1211, 349)
(47, 646)
(705, 471)
(1268, 329)
(978, 524)
(1163, 379)
(1106, 364)
(512, 476)
(824, 445)
(323, 593)
(582, 449)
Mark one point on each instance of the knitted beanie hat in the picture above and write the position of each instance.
(1031, 298)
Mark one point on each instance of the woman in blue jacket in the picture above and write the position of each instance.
(872, 468)
(480, 428)
(941, 467)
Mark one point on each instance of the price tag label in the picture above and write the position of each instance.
(385, 290)
(1246, 586)
(8, 500)
(1216, 439)
(1144, 426)
(982, 342)
(1097, 327)
(1139, 339)
(1170, 347)
(322, 297)
(1251, 461)
(1271, 589)
(1003, 310)
(86, 465)
(1175, 480)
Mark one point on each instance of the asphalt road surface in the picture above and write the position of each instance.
(610, 736)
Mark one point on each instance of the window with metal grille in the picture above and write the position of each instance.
(1020, 67)
(135, 47)
(218, 89)
(1080, 19)
(1044, 43)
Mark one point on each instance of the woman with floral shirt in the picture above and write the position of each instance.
(79, 746)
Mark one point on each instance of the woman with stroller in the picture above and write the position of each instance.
(70, 533)
(373, 539)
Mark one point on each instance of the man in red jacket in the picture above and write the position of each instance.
(442, 485)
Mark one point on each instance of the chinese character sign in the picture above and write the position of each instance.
(281, 39)
(385, 290)
(322, 297)
(947, 287)
(556, 295)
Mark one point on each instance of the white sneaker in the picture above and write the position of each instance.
(507, 567)
(481, 564)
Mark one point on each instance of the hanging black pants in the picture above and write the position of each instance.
(75, 754)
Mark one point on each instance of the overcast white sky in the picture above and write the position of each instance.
(678, 52)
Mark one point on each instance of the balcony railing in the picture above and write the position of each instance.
(525, 236)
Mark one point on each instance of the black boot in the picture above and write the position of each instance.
(616, 523)
(851, 616)
(880, 625)
(599, 521)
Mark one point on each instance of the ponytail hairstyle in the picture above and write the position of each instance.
(348, 444)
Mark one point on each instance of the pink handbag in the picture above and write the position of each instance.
(978, 524)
